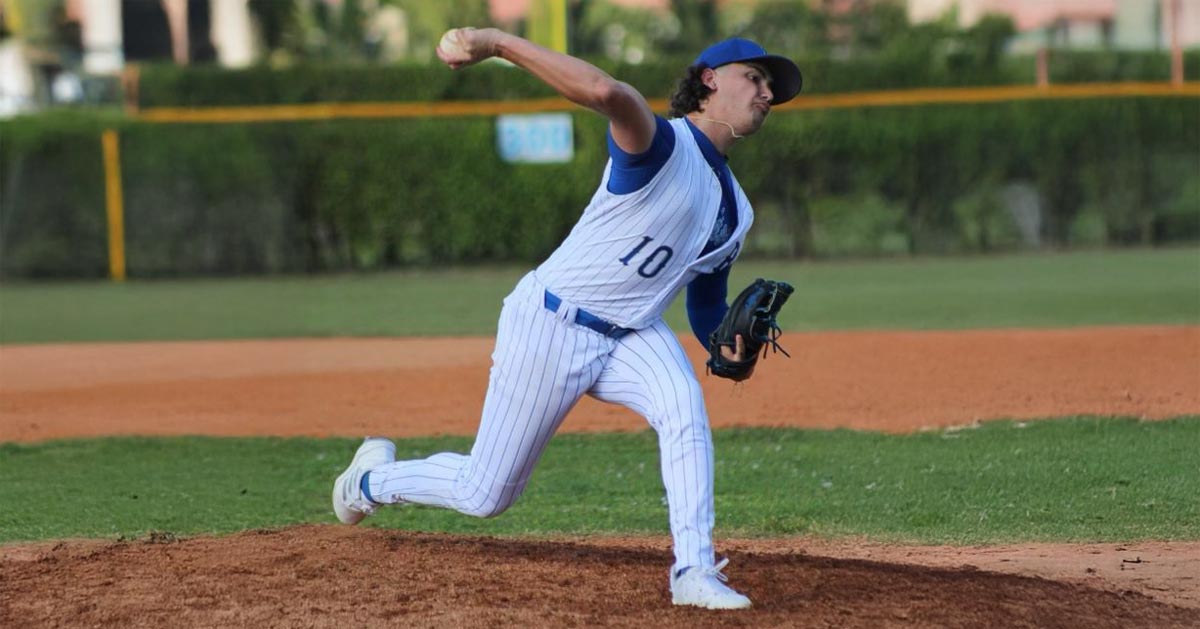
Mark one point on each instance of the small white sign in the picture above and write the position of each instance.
(535, 138)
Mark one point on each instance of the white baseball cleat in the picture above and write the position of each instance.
(706, 588)
(349, 503)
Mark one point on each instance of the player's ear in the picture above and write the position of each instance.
(709, 78)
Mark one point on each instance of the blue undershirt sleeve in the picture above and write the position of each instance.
(706, 303)
(631, 172)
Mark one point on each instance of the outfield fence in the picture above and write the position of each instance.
(339, 186)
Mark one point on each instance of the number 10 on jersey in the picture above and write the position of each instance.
(653, 263)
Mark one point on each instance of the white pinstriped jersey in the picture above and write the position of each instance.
(631, 254)
(625, 261)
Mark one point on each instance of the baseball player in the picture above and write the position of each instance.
(668, 215)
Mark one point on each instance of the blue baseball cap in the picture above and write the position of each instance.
(785, 76)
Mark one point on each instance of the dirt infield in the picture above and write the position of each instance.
(327, 575)
(898, 382)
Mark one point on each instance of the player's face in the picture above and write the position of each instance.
(743, 96)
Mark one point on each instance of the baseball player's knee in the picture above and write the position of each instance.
(487, 509)
(686, 410)
(491, 502)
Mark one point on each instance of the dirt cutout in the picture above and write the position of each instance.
(329, 576)
(338, 576)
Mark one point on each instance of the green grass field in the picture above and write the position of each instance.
(1079, 479)
(1045, 290)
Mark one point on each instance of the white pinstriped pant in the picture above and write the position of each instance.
(542, 364)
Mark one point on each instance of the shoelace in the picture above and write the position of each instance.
(361, 504)
(716, 570)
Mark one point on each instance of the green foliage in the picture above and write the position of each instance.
(277, 21)
(348, 31)
(883, 26)
(878, 33)
(983, 221)
(935, 161)
(860, 225)
(603, 30)
(1077, 480)
(784, 27)
(375, 194)
(985, 41)
(1082, 66)
(698, 26)
(203, 203)
(427, 21)
(926, 57)
(1144, 194)
(1087, 229)
(1180, 217)
(52, 220)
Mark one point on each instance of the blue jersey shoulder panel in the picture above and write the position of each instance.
(631, 172)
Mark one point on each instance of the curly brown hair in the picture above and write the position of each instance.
(689, 92)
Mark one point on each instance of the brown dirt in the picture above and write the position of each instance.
(327, 575)
(898, 382)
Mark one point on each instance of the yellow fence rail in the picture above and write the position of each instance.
(893, 98)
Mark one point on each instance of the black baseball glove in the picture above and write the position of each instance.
(752, 315)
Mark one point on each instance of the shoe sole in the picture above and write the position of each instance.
(747, 605)
(344, 515)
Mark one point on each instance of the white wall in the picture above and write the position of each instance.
(102, 44)
(232, 33)
(927, 10)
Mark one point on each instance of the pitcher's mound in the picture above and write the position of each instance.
(329, 576)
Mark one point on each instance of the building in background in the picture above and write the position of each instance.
(69, 51)
(183, 31)
(510, 11)
(1123, 24)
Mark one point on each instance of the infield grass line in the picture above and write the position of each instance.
(1123, 287)
(1080, 479)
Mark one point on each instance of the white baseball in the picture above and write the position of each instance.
(451, 44)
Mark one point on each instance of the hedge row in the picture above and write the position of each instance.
(291, 197)
(171, 85)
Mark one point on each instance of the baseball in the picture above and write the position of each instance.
(451, 45)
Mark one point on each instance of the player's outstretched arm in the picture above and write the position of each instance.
(578, 81)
